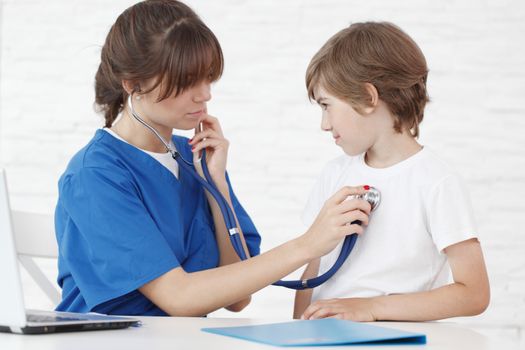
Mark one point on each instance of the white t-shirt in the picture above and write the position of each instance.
(424, 208)
(163, 158)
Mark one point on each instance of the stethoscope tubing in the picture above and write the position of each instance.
(229, 218)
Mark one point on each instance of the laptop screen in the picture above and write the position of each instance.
(11, 296)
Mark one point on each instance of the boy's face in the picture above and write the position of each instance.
(353, 132)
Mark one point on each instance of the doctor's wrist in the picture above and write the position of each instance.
(219, 179)
(303, 248)
(222, 186)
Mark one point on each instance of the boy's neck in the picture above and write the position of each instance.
(391, 149)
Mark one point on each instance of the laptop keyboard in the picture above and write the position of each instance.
(46, 318)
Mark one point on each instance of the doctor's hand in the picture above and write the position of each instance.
(211, 139)
(334, 221)
(355, 309)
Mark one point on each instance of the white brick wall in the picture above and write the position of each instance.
(49, 54)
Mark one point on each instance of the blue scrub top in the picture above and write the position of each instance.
(123, 219)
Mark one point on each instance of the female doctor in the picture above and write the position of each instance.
(136, 234)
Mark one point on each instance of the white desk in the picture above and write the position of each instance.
(184, 333)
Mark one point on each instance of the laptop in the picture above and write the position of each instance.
(13, 316)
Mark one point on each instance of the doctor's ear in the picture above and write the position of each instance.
(373, 98)
(131, 87)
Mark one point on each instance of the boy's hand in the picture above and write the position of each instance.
(355, 309)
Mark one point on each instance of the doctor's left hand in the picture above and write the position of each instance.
(212, 139)
(355, 309)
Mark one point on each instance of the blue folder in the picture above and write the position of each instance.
(326, 331)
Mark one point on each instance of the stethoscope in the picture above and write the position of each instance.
(372, 196)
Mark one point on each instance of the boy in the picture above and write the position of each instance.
(370, 81)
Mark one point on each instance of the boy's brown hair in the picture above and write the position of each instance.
(378, 53)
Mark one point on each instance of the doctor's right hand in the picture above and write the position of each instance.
(336, 220)
(212, 139)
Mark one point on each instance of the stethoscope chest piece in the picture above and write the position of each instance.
(372, 196)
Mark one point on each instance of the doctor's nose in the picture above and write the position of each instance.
(202, 92)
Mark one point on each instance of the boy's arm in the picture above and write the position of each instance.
(469, 295)
(304, 297)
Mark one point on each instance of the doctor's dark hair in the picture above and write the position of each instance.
(162, 41)
(378, 53)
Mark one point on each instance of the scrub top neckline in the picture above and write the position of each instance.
(164, 158)
(117, 136)
(105, 136)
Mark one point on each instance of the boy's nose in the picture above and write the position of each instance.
(325, 124)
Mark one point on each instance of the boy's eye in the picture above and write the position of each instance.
(324, 106)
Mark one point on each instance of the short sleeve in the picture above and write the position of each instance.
(249, 231)
(109, 241)
(449, 212)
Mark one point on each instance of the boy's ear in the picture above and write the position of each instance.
(373, 98)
